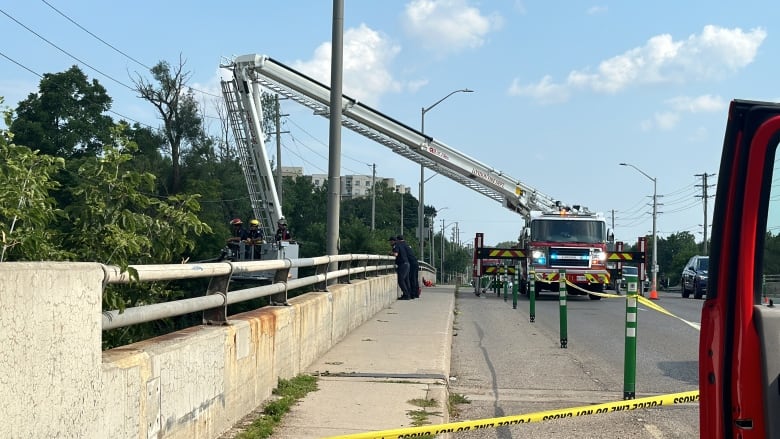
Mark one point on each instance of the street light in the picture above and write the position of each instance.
(433, 236)
(421, 208)
(655, 236)
(441, 257)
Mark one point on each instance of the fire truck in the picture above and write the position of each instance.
(582, 253)
(571, 239)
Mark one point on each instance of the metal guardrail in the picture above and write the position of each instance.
(217, 297)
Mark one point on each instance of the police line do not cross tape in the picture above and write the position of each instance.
(595, 409)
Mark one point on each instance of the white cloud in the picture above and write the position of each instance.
(704, 103)
(545, 91)
(597, 10)
(448, 25)
(710, 55)
(683, 104)
(367, 57)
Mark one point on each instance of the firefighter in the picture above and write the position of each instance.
(237, 231)
(282, 234)
(255, 234)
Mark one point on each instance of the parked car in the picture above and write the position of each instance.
(694, 277)
(631, 271)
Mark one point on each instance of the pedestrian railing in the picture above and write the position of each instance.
(218, 295)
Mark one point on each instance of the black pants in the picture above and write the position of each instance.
(414, 280)
(402, 270)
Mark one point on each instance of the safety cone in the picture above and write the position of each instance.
(653, 295)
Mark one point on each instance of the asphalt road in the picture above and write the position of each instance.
(506, 365)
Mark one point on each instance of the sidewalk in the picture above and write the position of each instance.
(367, 380)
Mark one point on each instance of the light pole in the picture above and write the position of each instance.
(433, 238)
(421, 207)
(441, 257)
(655, 235)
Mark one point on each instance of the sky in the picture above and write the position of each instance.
(564, 91)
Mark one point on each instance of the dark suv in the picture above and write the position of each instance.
(694, 277)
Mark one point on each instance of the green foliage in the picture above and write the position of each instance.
(66, 117)
(26, 209)
(115, 220)
(176, 104)
(288, 392)
(772, 253)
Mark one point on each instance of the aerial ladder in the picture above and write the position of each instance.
(245, 112)
(251, 72)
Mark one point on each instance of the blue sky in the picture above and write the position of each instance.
(564, 90)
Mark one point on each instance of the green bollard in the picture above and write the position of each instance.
(532, 294)
(629, 361)
(562, 303)
(516, 281)
(506, 283)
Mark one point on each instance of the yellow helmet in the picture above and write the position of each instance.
(254, 222)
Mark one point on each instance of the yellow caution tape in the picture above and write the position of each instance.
(595, 409)
(654, 306)
(643, 300)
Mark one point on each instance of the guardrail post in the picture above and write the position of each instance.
(218, 285)
(322, 269)
(629, 361)
(562, 306)
(532, 294)
(280, 276)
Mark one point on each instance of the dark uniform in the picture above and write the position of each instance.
(402, 268)
(414, 268)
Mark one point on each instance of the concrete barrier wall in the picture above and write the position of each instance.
(195, 383)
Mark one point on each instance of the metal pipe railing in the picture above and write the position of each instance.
(150, 273)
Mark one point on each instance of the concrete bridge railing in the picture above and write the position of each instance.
(194, 383)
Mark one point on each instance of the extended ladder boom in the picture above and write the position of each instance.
(251, 70)
(246, 113)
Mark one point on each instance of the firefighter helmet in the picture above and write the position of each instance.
(254, 222)
(236, 221)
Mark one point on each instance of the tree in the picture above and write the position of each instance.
(65, 118)
(26, 209)
(175, 102)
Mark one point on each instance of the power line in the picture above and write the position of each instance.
(66, 52)
(41, 76)
(97, 37)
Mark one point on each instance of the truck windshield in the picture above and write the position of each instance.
(568, 230)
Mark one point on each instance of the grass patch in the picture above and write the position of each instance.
(419, 402)
(454, 401)
(420, 417)
(288, 393)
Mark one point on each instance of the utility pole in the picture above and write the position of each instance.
(402, 213)
(373, 197)
(334, 138)
(613, 219)
(653, 292)
(704, 186)
(278, 133)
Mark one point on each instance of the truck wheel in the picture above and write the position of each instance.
(596, 288)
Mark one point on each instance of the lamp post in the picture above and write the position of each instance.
(433, 238)
(655, 235)
(441, 257)
(421, 208)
